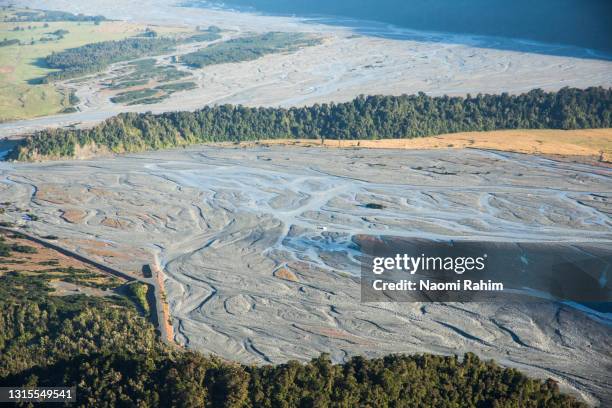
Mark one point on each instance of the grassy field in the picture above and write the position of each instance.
(588, 143)
(21, 99)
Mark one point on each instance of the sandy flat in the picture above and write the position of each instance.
(593, 144)
(257, 247)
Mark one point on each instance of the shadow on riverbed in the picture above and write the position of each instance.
(6, 146)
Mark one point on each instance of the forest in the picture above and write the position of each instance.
(94, 57)
(371, 117)
(247, 48)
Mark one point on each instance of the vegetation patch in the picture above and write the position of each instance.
(116, 359)
(248, 48)
(143, 65)
(27, 37)
(148, 101)
(148, 33)
(138, 291)
(75, 62)
(89, 58)
(51, 262)
(177, 87)
(8, 43)
(15, 14)
(144, 71)
(130, 96)
(6, 249)
(24, 249)
(128, 84)
(204, 37)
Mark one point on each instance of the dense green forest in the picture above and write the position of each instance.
(372, 117)
(247, 48)
(75, 62)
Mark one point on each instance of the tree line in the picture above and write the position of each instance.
(371, 117)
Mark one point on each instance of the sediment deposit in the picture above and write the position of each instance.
(257, 246)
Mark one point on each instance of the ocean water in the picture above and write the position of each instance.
(579, 23)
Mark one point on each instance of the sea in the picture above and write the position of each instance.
(564, 27)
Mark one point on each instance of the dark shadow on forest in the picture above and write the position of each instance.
(40, 62)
